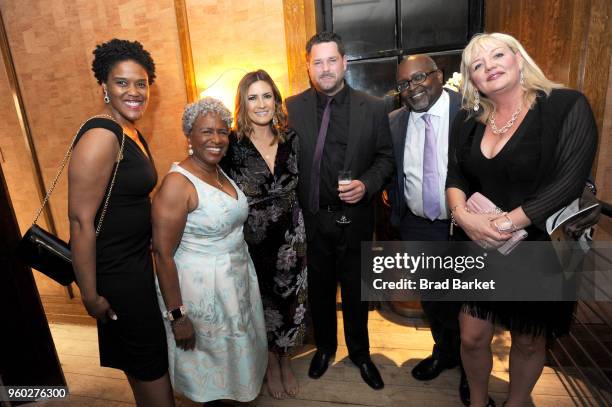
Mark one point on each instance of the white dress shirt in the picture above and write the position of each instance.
(413, 155)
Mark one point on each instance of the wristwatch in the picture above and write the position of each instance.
(176, 313)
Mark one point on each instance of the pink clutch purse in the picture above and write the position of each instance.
(478, 203)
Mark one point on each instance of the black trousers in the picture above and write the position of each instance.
(443, 316)
(330, 261)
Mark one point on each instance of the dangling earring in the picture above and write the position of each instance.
(521, 77)
(476, 100)
(190, 149)
(274, 121)
(106, 98)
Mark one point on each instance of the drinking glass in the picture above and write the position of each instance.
(344, 178)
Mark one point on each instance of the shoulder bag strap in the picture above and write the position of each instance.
(63, 165)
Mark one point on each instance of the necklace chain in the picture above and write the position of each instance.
(218, 179)
(508, 124)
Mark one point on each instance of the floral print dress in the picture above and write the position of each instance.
(275, 234)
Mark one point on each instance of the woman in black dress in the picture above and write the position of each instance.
(114, 271)
(528, 146)
(262, 160)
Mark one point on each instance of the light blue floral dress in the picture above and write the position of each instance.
(220, 291)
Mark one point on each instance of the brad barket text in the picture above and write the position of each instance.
(425, 284)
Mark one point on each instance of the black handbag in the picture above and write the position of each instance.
(46, 252)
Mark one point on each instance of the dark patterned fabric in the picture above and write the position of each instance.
(275, 234)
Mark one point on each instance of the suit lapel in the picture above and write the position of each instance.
(356, 118)
(399, 132)
(309, 126)
(454, 105)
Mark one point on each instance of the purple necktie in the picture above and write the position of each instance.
(315, 174)
(431, 192)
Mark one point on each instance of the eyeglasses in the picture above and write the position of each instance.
(417, 79)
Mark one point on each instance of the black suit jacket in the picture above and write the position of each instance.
(369, 155)
(398, 121)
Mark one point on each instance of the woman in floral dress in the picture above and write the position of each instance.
(262, 160)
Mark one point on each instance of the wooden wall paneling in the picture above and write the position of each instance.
(300, 25)
(182, 23)
(579, 34)
(604, 162)
(52, 45)
(23, 123)
(596, 60)
(230, 38)
(19, 161)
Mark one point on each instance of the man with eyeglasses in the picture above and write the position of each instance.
(420, 131)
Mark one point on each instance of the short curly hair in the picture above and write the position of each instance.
(107, 54)
(203, 107)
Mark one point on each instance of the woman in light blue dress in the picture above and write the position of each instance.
(207, 284)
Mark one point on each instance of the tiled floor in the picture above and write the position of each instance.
(397, 344)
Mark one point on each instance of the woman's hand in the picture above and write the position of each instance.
(99, 308)
(480, 227)
(184, 334)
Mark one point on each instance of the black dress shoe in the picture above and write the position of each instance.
(464, 389)
(370, 374)
(430, 368)
(319, 364)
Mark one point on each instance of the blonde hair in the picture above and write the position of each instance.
(534, 79)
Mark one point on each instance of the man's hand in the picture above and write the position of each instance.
(353, 192)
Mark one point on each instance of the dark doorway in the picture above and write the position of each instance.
(27, 351)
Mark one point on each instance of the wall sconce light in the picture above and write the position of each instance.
(224, 86)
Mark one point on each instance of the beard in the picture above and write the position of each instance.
(419, 104)
(329, 82)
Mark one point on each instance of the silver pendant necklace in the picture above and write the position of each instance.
(508, 124)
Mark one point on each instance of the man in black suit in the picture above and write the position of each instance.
(339, 128)
(420, 131)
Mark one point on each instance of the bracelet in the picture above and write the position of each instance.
(591, 187)
(178, 321)
(452, 213)
(176, 313)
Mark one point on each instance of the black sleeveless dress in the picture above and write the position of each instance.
(136, 341)
(511, 179)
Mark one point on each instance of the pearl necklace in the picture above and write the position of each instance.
(508, 124)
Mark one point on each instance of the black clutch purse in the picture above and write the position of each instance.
(48, 253)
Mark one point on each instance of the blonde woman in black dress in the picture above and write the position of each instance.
(528, 145)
